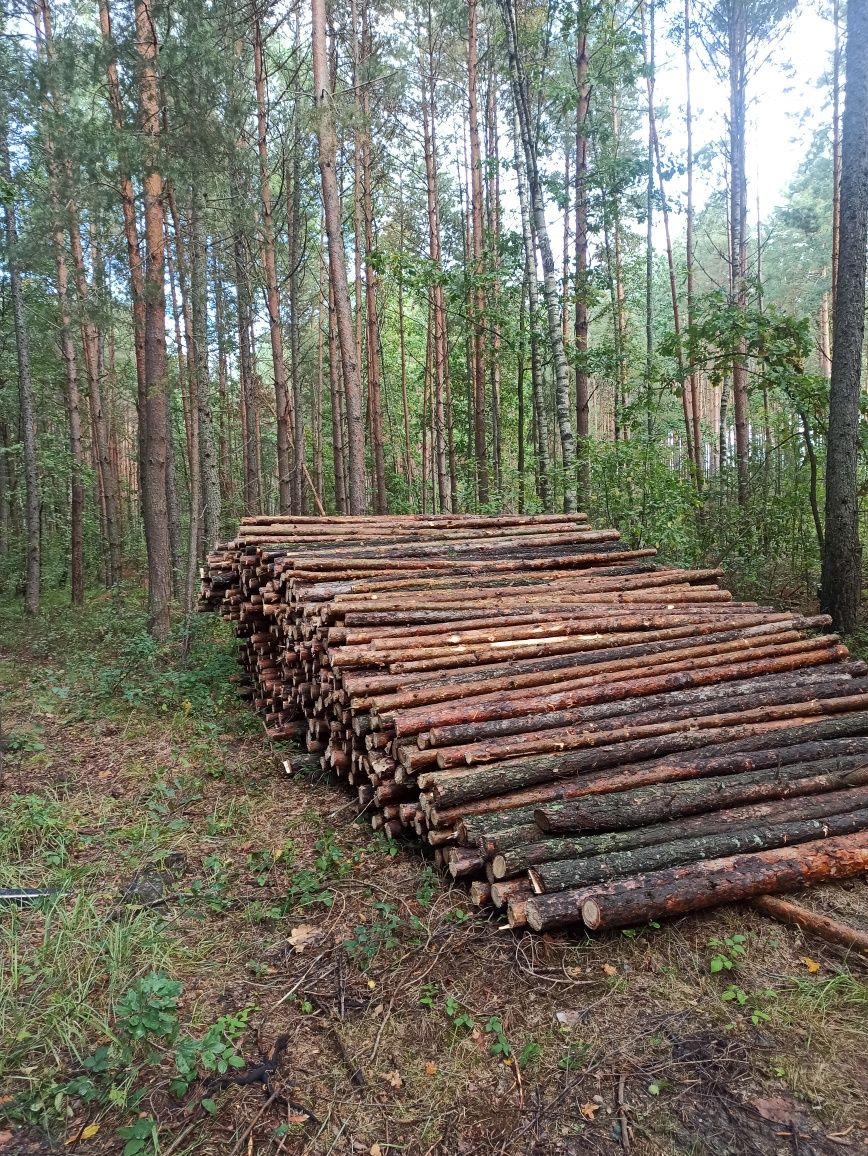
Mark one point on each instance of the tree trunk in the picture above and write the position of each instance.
(540, 422)
(477, 266)
(250, 449)
(381, 502)
(581, 250)
(737, 36)
(295, 248)
(134, 254)
(90, 336)
(842, 560)
(338, 418)
(562, 383)
(337, 261)
(438, 308)
(836, 149)
(227, 488)
(209, 463)
(156, 403)
(25, 389)
(492, 201)
(70, 365)
(272, 293)
(689, 241)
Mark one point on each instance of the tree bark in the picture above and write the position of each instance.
(679, 890)
(574, 873)
(842, 557)
(670, 801)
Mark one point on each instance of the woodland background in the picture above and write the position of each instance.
(538, 312)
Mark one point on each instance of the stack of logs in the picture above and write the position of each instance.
(580, 733)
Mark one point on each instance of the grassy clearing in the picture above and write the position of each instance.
(211, 917)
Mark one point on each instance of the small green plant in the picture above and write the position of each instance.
(428, 995)
(575, 1056)
(140, 1136)
(458, 1015)
(529, 1054)
(737, 995)
(734, 994)
(657, 1086)
(370, 939)
(501, 1045)
(214, 1052)
(731, 950)
(428, 887)
(149, 1008)
(381, 844)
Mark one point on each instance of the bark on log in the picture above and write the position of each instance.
(776, 706)
(510, 860)
(669, 801)
(795, 915)
(574, 873)
(694, 886)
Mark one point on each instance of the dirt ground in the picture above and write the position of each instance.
(322, 990)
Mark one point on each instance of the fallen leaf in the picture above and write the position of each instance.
(303, 936)
(297, 1118)
(776, 1108)
(87, 1133)
(810, 964)
(376, 1150)
(608, 969)
(372, 983)
(430, 1068)
(589, 1110)
(569, 1019)
(5, 1138)
(394, 1078)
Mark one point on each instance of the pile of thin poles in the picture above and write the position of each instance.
(580, 733)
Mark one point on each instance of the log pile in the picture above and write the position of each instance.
(580, 733)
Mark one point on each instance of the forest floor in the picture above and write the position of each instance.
(218, 925)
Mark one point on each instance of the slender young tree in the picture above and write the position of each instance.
(269, 261)
(477, 235)
(32, 527)
(352, 389)
(550, 286)
(67, 352)
(156, 512)
(842, 558)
